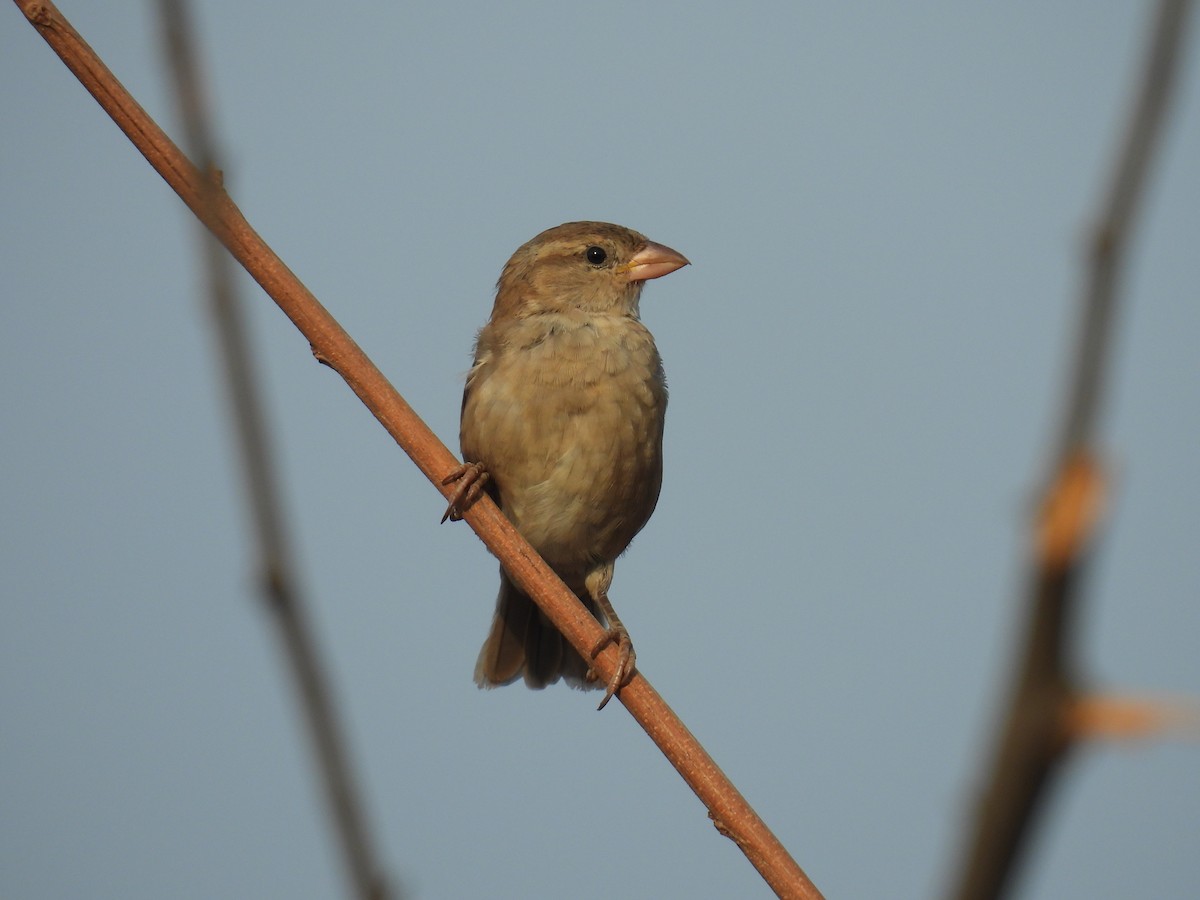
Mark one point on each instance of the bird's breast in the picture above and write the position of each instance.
(568, 418)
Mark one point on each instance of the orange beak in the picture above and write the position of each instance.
(653, 261)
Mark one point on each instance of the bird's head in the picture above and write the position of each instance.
(591, 267)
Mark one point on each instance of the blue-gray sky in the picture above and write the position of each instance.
(884, 205)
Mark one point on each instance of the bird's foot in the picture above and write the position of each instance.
(626, 661)
(471, 478)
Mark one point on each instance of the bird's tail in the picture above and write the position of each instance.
(523, 642)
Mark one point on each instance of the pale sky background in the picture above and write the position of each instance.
(884, 205)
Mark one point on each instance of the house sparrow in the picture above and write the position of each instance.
(562, 424)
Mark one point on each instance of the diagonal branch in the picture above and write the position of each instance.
(278, 581)
(1035, 735)
(1109, 239)
(730, 812)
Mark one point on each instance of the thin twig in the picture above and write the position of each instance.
(1109, 238)
(1035, 735)
(279, 583)
(730, 812)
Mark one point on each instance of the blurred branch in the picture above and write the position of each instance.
(730, 812)
(278, 580)
(1041, 724)
(1110, 234)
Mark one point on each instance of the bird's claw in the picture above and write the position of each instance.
(471, 478)
(626, 662)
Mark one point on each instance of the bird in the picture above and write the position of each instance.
(562, 425)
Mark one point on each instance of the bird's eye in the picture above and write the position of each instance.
(596, 255)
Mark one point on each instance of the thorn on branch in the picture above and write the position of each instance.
(320, 356)
(1070, 511)
(1112, 717)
